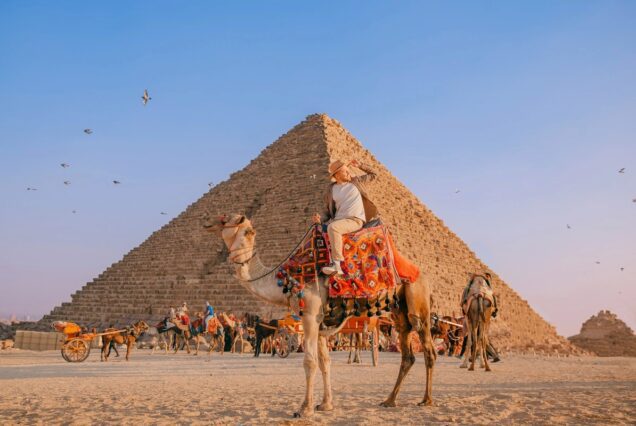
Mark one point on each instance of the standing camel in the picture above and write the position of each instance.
(478, 308)
(239, 237)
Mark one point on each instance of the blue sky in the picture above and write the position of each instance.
(526, 107)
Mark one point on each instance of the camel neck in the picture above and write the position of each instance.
(261, 281)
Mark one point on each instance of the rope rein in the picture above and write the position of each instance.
(277, 266)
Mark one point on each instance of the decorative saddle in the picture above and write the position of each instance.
(370, 268)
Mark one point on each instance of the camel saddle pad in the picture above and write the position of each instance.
(369, 269)
(312, 254)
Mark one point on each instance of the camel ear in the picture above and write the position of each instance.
(241, 220)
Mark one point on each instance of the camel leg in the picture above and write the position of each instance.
(429, 357)
(474, 345)
(128, 349)
(484, 342)
(324, 363)
(310, 363)
(350, 348)
(464, 363)
(408, 359)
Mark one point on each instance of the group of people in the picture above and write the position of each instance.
(183, 315)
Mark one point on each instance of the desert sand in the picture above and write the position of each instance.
(40, 387)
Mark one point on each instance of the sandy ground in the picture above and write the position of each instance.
(41, 388)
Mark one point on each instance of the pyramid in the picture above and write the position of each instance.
(606, 335)
(279, 190)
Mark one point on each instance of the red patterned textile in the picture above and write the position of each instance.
(368, 266)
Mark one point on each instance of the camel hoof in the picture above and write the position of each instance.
(388, 404)
(471, 369)
(425, 402)
(303, 413)
(324, 407)
(488, 369)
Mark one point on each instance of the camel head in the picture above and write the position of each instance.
(237, 233)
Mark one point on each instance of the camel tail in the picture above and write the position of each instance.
(480, 309)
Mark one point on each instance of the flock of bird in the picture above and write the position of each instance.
(145, 98)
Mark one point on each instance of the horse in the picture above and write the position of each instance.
(128, 336)
(264, 331)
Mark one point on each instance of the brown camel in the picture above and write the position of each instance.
(478, 308)
(412, 313)
(129, 337)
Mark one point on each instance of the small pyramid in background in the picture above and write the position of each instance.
(606, 335)
(278, 191)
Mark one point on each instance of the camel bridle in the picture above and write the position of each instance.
(240, 250)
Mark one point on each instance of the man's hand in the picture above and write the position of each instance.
(316, 218)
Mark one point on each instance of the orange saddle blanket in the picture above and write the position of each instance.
(371, 266)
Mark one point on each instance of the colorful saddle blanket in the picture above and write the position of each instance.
(369, 267)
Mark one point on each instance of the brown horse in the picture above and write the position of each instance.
(128, 336)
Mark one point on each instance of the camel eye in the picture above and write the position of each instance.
(249, 232)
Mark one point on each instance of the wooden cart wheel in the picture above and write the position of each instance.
(76, 350)
(375, 346)
(283, 343)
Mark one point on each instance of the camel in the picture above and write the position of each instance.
(217, 336)
(129, 337)
(478, 308)
(413, 312)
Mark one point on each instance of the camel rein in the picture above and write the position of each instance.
(254, 253)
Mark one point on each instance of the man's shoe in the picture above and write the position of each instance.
(333, 269)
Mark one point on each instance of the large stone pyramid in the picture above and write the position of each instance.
(279, 190)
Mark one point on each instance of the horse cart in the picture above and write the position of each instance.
(288, 337)
(76, 345)
(366, 333)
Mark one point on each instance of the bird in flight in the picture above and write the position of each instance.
(88, 131)
(31, 189)
(210, 184)
(598, 263)
(569, 227)
(74, 211)
(145, 98)
(633, 200)
(457, 191)
(116, 182)
(622, 170)
(622, 269)
(64, 165)
(164, 213)
(67, 182)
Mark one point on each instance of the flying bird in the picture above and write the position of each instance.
(457, 191)
(598, 263)
(65, 165)
(74, 211)
(622, 269)
(67, 182)
(633, 200)
(210, 184)
(88, 131)
(116, 182)
(145, 98)
(164, 213)
(569, 227)
(622, 170)
(31, 189)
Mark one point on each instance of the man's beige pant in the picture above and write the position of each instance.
(336, 229)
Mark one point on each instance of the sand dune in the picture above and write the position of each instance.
(161, 389)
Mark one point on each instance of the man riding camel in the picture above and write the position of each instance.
(348, 208)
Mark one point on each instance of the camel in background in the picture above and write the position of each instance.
(239, 235)
(478, 308)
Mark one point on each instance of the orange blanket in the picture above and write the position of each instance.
(405, 269)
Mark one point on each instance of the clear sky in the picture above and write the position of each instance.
(528, 108)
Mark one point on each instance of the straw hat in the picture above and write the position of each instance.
(335, 167)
